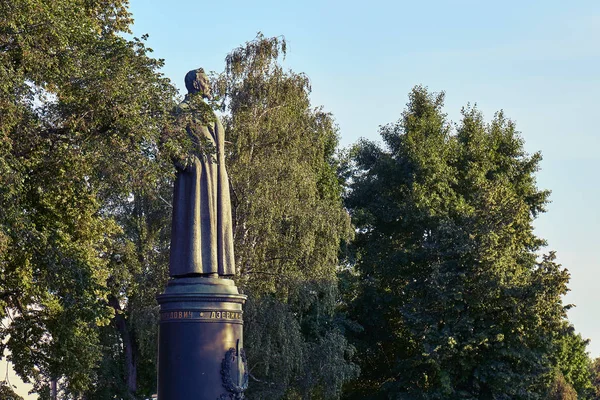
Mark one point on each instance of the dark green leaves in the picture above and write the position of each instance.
(453, 298)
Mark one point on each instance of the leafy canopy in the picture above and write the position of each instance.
(81, 113)
(448, 286)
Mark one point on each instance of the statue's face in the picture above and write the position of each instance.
(204, 85)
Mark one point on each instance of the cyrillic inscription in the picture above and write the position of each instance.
(176, 315)
(203, 315)
(225, 315)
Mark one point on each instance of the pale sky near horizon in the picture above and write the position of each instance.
(539, 61)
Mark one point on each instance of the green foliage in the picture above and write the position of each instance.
(7, 392)
(571, 361)
(289, 222)
(595, 377)
(453, 299)
(82, 110)
(561, 390)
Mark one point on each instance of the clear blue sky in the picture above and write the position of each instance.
(537, 60)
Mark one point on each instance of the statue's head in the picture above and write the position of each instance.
(196, 81)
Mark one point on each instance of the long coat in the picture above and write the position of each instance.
(202, 234)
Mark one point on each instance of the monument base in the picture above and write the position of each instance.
(200, 346)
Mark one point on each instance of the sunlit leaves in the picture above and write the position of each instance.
(82, 110)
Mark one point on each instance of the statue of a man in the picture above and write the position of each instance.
(201, 236)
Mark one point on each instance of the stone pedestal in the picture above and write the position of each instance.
(200, 348)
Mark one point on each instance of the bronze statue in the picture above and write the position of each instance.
(202, 235)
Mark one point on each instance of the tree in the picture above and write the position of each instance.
(7, 392)
(454, 301)
(571, 362)
(595, 376)
(561, 390)
(289, 223)
(82, 110)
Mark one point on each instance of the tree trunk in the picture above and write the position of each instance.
(129, 347)
(53, 390)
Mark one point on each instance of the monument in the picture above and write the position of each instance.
(200, 351)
